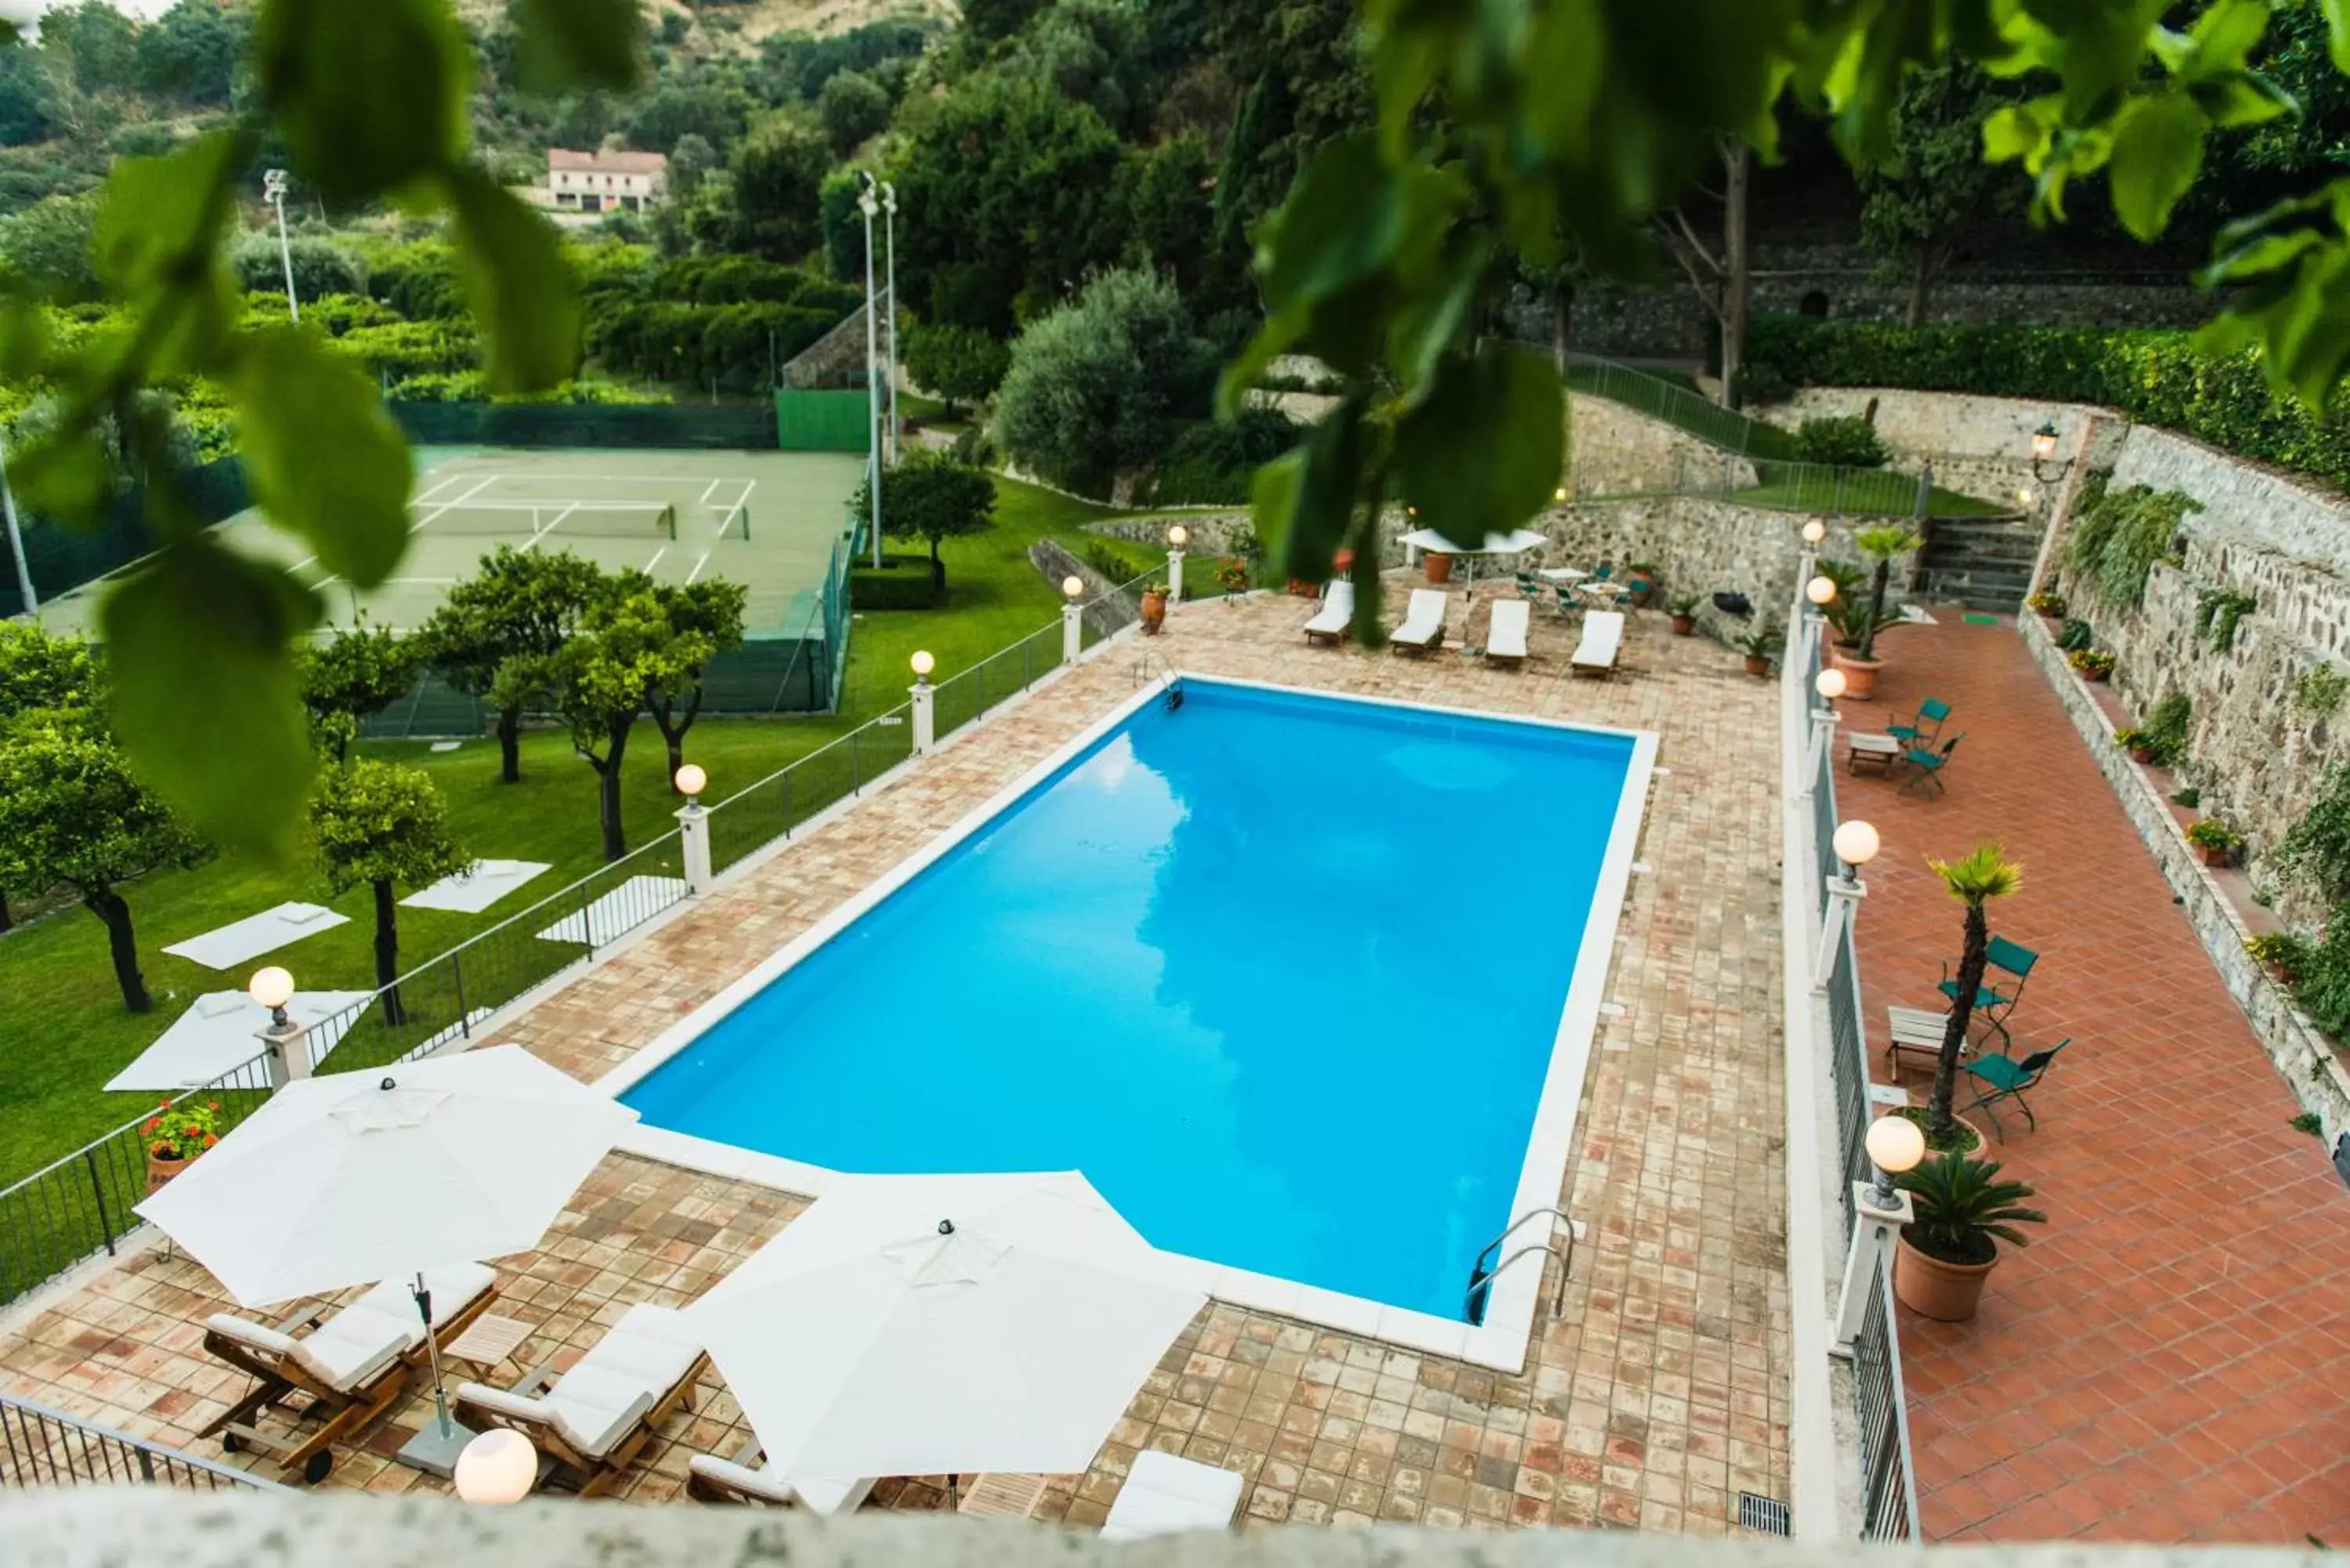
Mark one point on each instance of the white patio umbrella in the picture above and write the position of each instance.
(938, 1324)
(1517, 541)
(354, 1178)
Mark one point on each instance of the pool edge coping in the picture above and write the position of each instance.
(1503, 1341)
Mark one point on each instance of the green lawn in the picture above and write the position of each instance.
(63, 1030)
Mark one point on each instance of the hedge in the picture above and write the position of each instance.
(900, 583)
(2159, 378)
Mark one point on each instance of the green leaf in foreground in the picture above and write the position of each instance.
(205, 701)
(325, 459)
(520, 286)
(578, 43)
(370, 96)
(2158, 148)
(1485, 451)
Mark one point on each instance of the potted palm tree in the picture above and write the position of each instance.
(1975, 880)
(1684, 612)
(1761, 647)
(1964, 1212)
(1882, 546)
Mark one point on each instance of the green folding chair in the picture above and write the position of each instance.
(1993, 1003)
(1911, 730)
(2005, 1078)
(1923, 767)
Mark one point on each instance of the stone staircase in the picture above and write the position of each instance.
(1983, 562)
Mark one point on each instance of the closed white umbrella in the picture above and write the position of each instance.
(354, 1178)
(1517, 541)
(937, 1324)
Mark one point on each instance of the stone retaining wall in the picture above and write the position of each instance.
(1105, 612)
(2305, 1059)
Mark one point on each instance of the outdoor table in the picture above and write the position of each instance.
(490, 1341)
(1883, 750)
(1563, 574)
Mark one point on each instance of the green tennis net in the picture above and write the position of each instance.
(526, 519)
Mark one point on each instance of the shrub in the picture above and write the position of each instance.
(2322, 988)
(1845, 441)
(2075, 636)
(2318, 845)
(2119, 534)
(2280, 951)
(2217, 612)
(2165, 733)
(2322, 690)
(899, 582)
(958, 364)
(2211, 832)
(1213, 463)
(320, 267)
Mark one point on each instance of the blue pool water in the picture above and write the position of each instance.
(1281, 974)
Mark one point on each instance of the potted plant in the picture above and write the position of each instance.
(1964, 1212)
(2094, 663)
(2214, 840)
(1883, 545)
(1684, 613)
(178, 1132)
(1973, 881)
(2281, 953)
(1761, 647)
(1437, 565)
(1232, 576)
(2050, 604)
(2136, 742)
(1640, 582)
(1154, 608)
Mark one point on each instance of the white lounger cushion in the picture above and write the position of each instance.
(1337, 613)
(358, 1341)
(1505, 638)
(1602, 634)
(1423, 621)
(641, 1358)
(824, 1496)
(1164, 1495)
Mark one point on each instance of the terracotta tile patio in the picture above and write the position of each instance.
(2158, 1364)
(1659, 1397)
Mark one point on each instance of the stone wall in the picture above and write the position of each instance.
(1106, 611)
(1615, 451)
(1953, 424)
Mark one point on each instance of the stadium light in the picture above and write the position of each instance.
(273, 191)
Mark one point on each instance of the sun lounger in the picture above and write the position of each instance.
(1330, 622)
(1505, 634)
(1423, 622)
(1603, 639)
(714, 1480)
(352, 1366)
(1165, 1496)
(595, 1419)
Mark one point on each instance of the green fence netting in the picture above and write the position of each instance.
(745, 427)
(822, 420)
(63, 558)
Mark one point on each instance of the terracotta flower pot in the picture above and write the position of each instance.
(1154, 612)
(2212, 856)
(1439, 567)
(1946, 1292)
(1684, 625)
(1300, 588)
(2282, 974)
(2141, 753)
(1859, 675)
(1758, 664)
(2100, 676)
(161, 1171)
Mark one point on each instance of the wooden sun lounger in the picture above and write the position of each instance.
(353, 1365)
(1337, 612)
(595, 1419)
(743, 1480)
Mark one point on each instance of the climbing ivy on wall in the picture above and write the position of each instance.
(2119, 534)
(2318, 845)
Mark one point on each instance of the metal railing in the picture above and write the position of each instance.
(1888, 1485)
(1681, 407)
(44, 1448)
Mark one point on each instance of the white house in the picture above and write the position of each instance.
(606, 181)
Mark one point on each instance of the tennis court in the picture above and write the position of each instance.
(768, 520)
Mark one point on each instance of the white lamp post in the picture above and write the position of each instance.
(1856, 844)
(868, 206)
(15, 538)
(1073, 588)
(1813, 532)
(1176, 537)
(1830, 685)
(693, 827)
(889, 242)
(1896, 1145)
(925, 695)
(1821, 591)
(284, 1040)
(497, 1467)
(273, 191)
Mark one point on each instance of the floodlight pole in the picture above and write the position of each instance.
(16, 537)
(866, 204)
(889, 241)
(273, 187)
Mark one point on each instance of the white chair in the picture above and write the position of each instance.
(1337, 612)
(352, 1365)
(1505, 633)
(1423, 622)
(1603, 639)
(596, 1419)
(1165, 1496)
(714, 1480)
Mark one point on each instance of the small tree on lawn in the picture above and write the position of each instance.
(601, 682)
(516, 605)
(39, 672)
(384, 826)
(711, 610)
(353, 676)
(1882, 546)
(932, 496)
(71, 814)
(1974, 881)
(959, 365)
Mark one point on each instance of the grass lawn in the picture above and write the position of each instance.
(63, 1030)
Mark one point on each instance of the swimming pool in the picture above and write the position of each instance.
(1295, 980)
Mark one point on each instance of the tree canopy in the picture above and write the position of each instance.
(601, 682)
(932, 496)
(383, 826)
(1096, 386)
(517, 605)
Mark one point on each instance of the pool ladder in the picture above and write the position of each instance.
(1480, 1278)
(1149, 667)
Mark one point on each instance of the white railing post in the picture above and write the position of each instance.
(1072, 638)
(693, 844)
(1824, 720)
(926, 731)
(1174, 578)
(1845, 894)
(1882, 1209)
(286, 1048)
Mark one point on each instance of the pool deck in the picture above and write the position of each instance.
(1657, 1398)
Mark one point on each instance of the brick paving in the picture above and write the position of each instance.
(1659, 1396)
(2158, 1364)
